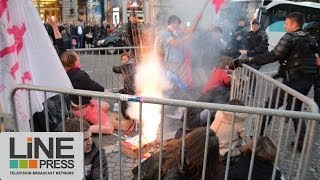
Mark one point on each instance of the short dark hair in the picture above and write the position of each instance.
(223, 61)
(255, 21)
(73, 125)
(173, 18)
(296, 17)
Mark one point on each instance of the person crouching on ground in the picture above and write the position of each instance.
(193, 162)
(223, 126)
(127, 69)
(90, 108)
(263, 162)
(90, 149)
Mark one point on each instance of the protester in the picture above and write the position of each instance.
(224, 127)
(127, 69)
(173, 40)
(193, 158)
(296, 53)
(206, 50)
(81, 80)
(90, 149)
(219, 76)
(90, 108)
(216, 90)
(265, 155)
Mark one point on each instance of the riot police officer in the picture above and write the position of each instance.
(237, 40)
(256, 42)
(314, 29)
(296, 53)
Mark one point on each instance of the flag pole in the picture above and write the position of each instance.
(38, 4)
(199, 18)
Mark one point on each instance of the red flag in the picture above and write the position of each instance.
(217, 4)
(26, 57)
(187, 78)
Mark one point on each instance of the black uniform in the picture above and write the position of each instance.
(256, 43)
(314, 29)
(235, 44)
(296, 55)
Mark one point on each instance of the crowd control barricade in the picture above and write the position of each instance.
(310, 117)
(256, 89)
(98, 63)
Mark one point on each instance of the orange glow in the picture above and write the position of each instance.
(150, 81)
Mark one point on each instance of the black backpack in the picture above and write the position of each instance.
(54, 114)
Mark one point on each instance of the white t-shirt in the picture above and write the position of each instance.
(79, 30)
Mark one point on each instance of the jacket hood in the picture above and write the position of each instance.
(228, 116)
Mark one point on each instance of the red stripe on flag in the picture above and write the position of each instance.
(217, 4)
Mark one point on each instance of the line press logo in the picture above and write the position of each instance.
(38, 155)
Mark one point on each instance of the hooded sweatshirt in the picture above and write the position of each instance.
(222, 126)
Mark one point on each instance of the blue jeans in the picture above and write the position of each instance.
(80, 41)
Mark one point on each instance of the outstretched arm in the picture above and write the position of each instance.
(57, 35)
(53, 24)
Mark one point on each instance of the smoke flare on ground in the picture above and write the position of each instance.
(150, 81)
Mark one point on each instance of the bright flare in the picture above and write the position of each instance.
(150, 81)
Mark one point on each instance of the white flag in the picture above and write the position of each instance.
(27, 56)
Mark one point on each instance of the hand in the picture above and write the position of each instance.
(238, 63)
(51, 22)
(243, 52)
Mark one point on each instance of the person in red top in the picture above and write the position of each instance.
(219, 76)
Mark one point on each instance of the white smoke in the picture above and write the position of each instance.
(150, 81)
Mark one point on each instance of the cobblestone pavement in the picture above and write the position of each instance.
(110, 144)
(113, 156)
(127, 164)
(286, 153)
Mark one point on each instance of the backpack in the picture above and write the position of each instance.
(54, 114)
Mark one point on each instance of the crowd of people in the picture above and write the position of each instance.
(297, 52)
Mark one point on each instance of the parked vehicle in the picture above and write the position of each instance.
(117, 38)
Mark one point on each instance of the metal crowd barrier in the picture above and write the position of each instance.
(256, 89)
(98, 63)
(312, 117)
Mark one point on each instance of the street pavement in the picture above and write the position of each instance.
(110, 144)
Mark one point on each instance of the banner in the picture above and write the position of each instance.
(94, 11)
(27, 56)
